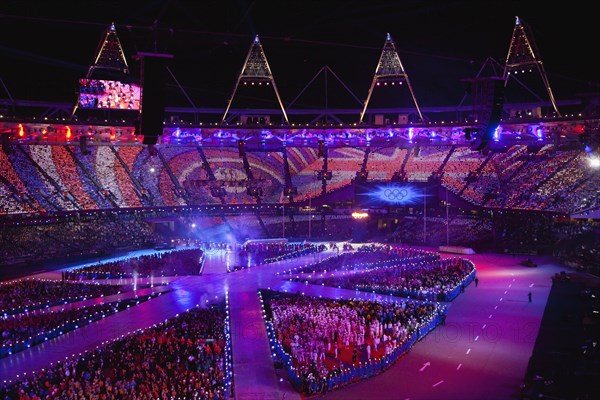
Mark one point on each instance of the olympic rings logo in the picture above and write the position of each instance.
(395, 194)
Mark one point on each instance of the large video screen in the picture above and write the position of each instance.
(395, 194)
(105, 94)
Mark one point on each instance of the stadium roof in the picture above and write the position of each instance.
(47, 47)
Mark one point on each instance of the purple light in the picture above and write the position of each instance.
(539, 133)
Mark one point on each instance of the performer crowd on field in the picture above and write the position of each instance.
(325, 337)
(181, 359)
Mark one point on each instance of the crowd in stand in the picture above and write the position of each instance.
(109, 232)
(37, 185)
(533, 169)
(171, 263)
(132, 196)
(328, 227)
(144, 168)
(178, 159)
(549, 179)
(68, 174)
(525, 233)
(515, 179)
(83, 158)
(82, 235)
(17, 296)
(324, 336)
(473, 231)
(180, 359)
(12, 199)
(42, 156)
(242, 226)
(578, 245)
(423, 162)
(105, 167)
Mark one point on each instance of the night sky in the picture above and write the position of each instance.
(46, 46)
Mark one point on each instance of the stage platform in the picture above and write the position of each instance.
(456, 250)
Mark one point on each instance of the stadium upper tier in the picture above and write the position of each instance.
(532, 166)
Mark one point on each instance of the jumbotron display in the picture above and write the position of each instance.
(386, 194)
(105, 94)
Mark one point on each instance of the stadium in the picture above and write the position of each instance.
(294, 240)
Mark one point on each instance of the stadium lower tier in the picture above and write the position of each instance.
(37, 241)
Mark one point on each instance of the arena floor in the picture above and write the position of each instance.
(481, 352)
